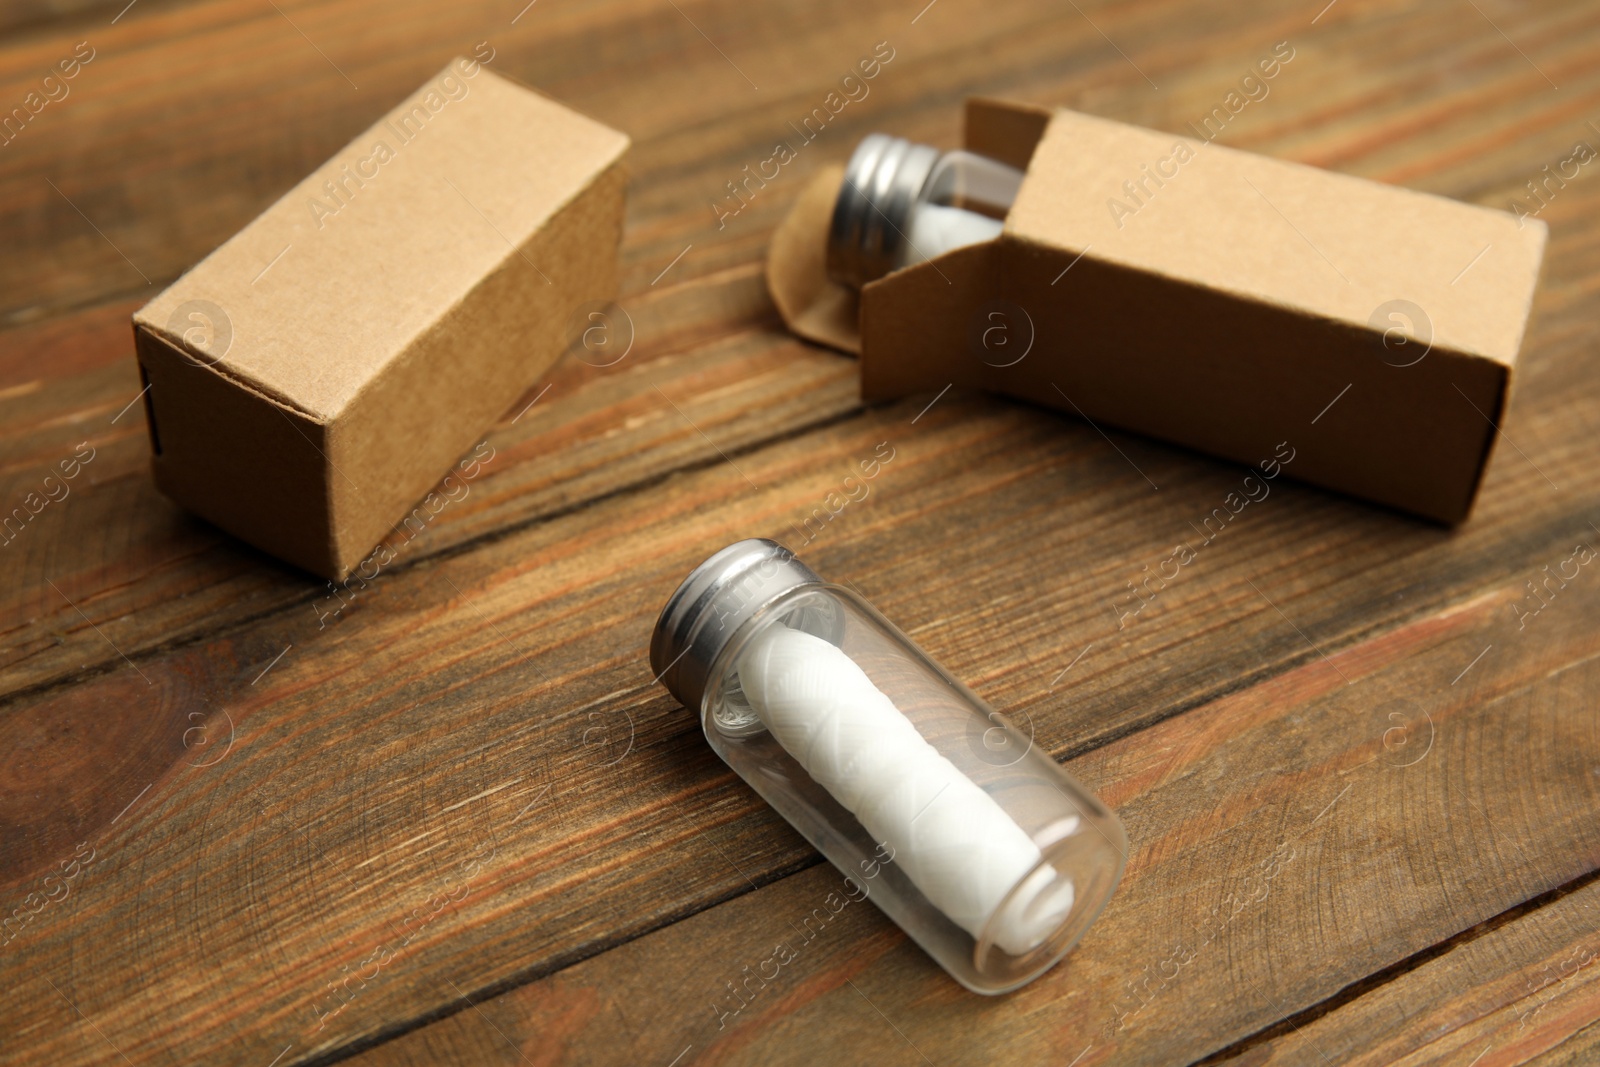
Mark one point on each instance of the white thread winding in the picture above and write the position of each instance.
(936, 229)
(956, 844)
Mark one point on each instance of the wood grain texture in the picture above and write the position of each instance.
(1285, 841)
(1523, 991)
(283, 825)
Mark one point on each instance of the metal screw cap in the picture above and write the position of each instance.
(872, 214)
(706, 611)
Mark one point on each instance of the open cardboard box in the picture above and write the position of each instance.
(1243, 306)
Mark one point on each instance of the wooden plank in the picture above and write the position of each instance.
(1522, 990)
(47, 15)
(1582, 1048)
(1285, 842)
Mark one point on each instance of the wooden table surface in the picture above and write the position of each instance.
(457, 822)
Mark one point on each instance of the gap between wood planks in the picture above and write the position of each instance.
(1299, 1020)
(1287, 1025)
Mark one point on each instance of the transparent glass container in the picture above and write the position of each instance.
(975, 842)
(902, 203)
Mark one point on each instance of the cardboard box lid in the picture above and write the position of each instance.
(1325, 244)
(296, 334)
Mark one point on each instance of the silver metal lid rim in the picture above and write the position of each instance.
(708, 607)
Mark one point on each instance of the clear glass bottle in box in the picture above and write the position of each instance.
(902, 203)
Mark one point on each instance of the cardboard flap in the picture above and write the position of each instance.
(1004, 129)
(942, 322)
(811, 305)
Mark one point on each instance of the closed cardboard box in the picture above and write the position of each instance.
(316, 375)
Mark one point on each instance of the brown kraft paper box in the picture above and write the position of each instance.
(1206, 296)
(317, 374)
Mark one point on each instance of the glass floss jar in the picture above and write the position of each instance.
(902, 203)
(974, 842)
